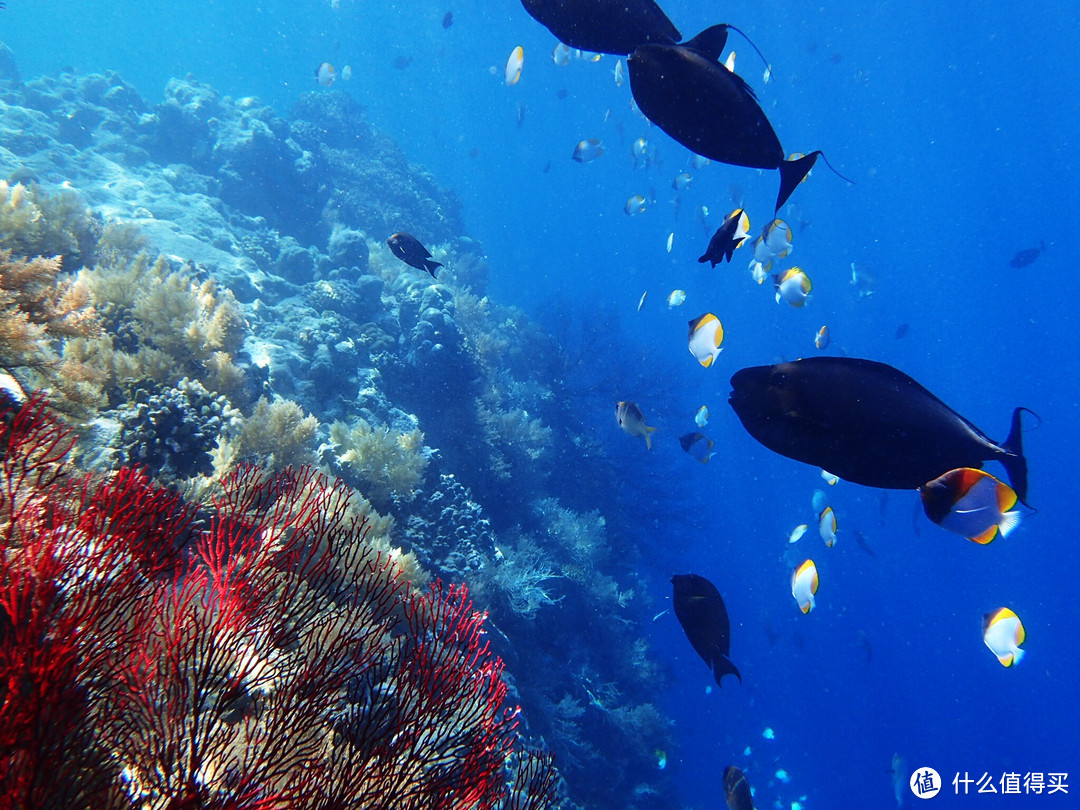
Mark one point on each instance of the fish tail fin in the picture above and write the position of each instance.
(722, 666)
(430, 265)
(792, 173)
(1009, 521)
(648, 437)
(1014, 462)
(710, 42)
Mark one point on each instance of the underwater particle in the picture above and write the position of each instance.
(670, 241)
(632, 421)
(705, 334)
(804, 584)
(768, 734)
(797, 533)
(676, 298)
(701, 611)
(514, 64)
(408, 248)
(783, 775)
(747, 751)
(587, 150)
(325, 74)
(661, 758)
(971, 503)
(793, 286)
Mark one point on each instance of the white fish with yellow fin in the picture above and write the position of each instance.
(514, 64)
(641, 303)
(561, 55)
(797, 533)
(676, 299)
(325, 74)
(701, 418)
(619, 73)
(632, 420)
(588, 150)
(827, 526)
(706, 335)
(682, 181)
(821, 338)
(670, 241)
(346, 73)
(829, 478)
(971, 503)
(635, 205)
(793, 286)
(1003, 633)
(804, 584)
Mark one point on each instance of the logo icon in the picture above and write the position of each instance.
(925, 783)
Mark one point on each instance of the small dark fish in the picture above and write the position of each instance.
(737, 790)
(698, 446)
(703, 617)
(448, 19)
(860, 539)
(727, 238)
(1026, 257)
(688, 93)
(901, 331)
(409, 250)
(561, 94)
(867, 423)
(402, 62)
(604, 26)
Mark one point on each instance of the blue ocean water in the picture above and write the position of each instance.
(959, 125)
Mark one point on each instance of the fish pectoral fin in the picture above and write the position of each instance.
(985, 537)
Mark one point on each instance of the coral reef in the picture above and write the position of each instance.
(280, 661)
(386, 463)
(447, 530)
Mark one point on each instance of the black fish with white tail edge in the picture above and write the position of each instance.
(604, 26)
(866, 422)
(408, 248)
(687, 92)
(703, 617)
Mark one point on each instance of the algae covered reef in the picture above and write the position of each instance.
(265, 398)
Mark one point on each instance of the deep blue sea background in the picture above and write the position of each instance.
(960, 125)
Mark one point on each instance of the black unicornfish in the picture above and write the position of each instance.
(687, 92)
(702, 614)
(408, 248)
(737, 790)
(604, 26)
(867, 423)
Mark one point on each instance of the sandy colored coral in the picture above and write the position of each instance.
(389, 464)
(277, 434)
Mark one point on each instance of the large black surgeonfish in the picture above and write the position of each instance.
(604, 26)
(703, 617)
(867, 423)
(688, 93)
(737, 794)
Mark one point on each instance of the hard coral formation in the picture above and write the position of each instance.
(448, 532)
(277, 659)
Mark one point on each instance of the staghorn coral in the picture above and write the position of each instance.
(277, 661)
(389, 464)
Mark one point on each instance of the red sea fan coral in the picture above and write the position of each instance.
(256, 655)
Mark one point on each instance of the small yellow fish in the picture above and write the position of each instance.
(632, 420)
(635, 205)
(513, 65)
(1003, 633)
(677, 298)
(640, 147)
(325, 74)
(706, 335)
(804, 584)
(829, 478)
(827, 526)
(793, 286)
(797, 533)
(821, 339)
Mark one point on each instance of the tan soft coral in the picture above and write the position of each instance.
(389, 464)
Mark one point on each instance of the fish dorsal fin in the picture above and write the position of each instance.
(710, 42)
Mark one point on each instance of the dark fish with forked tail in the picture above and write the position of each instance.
(604, 26)
(687, 92)
(703, 616)
(867, 423)
(408, 248)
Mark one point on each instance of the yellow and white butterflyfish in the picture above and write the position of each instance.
(619, 73)
(561, 55)
(588, 150)
(325, 74)
(635, 205)
(701, 418)
(804, 584)
(827, 526)
(676, 298)
(829, 478)
(793, 286)
(971, 503)
(797, 533)
(513, 65)
(1003, 633)
(705, 336)
(821, 338)
(777, 238)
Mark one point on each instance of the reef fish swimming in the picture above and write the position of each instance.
(408, 248)
(687, 92)
(1025, 257)
(703, 616)
(729, 236)
(866, 422)
(737, 793)
(604, 26)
